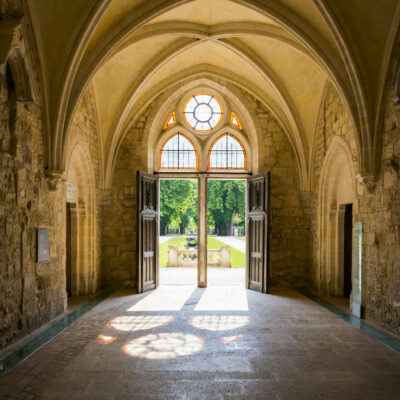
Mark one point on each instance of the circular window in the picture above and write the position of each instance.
(203, 112)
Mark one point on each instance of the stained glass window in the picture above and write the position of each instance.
(227, 153)
(178, 152)
(203, 112)
(235, 121)
(170, 121)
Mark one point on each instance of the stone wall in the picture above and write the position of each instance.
(119, 212)
(289, 222)
(380, 213)
(333, 121)
(84, 171)
(31, 293)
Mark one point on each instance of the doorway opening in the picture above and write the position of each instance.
(226, 232)
(69, 249)
(178, 231)
(348, 253)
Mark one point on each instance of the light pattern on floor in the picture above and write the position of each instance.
(104, 339)
(131, 323)
(219, 322)
(164, 346)
(160, 299)
(230, 339)
(223, 298)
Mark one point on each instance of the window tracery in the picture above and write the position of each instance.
(178, 152)
(203, 112)
(227, 153)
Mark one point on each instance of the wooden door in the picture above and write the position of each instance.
(147, 243)
(258, 223)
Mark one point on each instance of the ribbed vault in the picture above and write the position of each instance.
(282, 52)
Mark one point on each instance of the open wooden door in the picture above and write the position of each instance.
(257, 233)
(147, 243)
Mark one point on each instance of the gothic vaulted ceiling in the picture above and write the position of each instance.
(281, 51)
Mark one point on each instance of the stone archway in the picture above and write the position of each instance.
(81, 212)
(337, 189)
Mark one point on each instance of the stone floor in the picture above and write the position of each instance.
(223, 342)
(215, 276)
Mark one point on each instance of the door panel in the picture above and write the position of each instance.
(147, 248)
(258, 221)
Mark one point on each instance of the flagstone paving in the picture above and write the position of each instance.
(222, 342)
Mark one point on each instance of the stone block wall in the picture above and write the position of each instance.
(84, 139)
(380, 213)
(31, 293)
(120, 213)
(333, 121)
(379, 210)
(289, 220)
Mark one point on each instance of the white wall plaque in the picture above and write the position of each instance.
(71, 190)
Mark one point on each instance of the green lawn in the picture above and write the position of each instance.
(238, 259)
(179, 241)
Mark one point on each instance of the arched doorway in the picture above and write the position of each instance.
(81, 277)
(337, 199)
(203, 141)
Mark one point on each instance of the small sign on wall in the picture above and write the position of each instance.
(42, 245)
(71, 190)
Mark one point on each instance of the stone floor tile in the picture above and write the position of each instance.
(280, 346)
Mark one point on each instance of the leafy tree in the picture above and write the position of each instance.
(178, 203)
(226, 204)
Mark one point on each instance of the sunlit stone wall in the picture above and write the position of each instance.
(119, 210)
(289, 222)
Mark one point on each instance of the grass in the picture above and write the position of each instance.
(238, 259)
(179, 241)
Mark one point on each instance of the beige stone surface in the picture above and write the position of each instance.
(223, 342)
(86, 87)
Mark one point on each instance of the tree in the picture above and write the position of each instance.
(226, 198)
(178, 203)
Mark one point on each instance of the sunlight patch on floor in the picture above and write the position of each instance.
(104, 339)
(231, 339)
(165, 298)
(131, 323)
(219, 322)
(164, 346)
(223, 298)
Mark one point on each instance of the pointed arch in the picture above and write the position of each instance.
(170, 121)
(227, 152)
(178, 152)
(235, 121)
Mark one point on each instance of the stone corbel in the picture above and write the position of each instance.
(368, 180)
(53, 178)
(106, 197)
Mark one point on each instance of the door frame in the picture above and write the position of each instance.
(144, 214)
(260, 213)
(202, 188)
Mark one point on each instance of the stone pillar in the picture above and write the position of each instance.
(202, 233)
(225, 256)
(172, 256)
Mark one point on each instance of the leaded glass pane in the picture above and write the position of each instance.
(203, 112)
(178, 153)
(227, 153)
